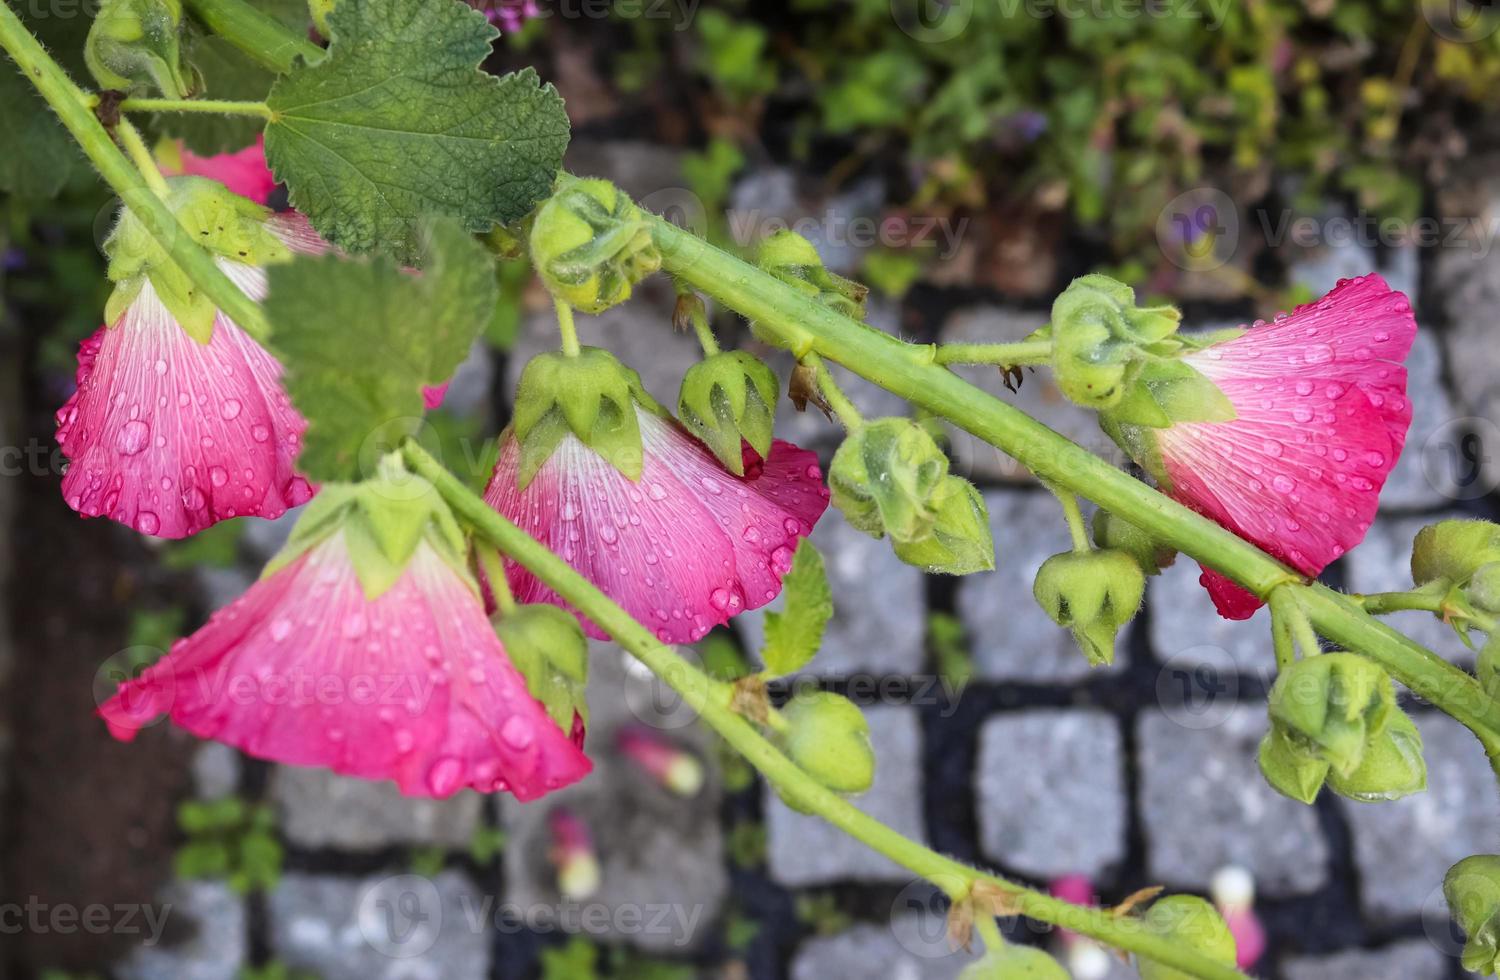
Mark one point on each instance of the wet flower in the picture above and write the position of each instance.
(364, 648)
(170, 433)
(684, 547)
(1321, 416)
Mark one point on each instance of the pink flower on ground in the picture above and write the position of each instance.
(684, 549)
(170, 436)
(1322, 414)
(413, 686)
(244, 172)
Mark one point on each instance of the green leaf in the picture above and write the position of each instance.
(356, 362)
(397, 122)
(793, 636)
(39, 154)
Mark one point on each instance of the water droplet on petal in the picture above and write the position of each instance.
(230, 410)
(445, 775)
(218, 475)
(516, 733)
(147, 522)
(132, 437)
(281, 628)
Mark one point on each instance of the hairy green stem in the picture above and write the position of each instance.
(1073, 514)
(1003, 355)
(711, 701)
(833, 394)
(219, 106)
(804, 325)
(567, 328)
(258, 35)
(135, 148)
(72, 108)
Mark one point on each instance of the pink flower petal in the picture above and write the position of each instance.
(170, 436)
(684, 549)
(244, 172)
(433, 395)
(1322, 416)
(413, 687)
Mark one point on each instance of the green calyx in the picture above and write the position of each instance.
(827, 735)
(1451, 552)
(726, 398)
(593, 396)
(1192, 922)
(1472, 889)
(1392, 767)
(383, 520)
(591, 245)
(226, 224)
(1092, 593)
(1114, 533)
(133, 44)
(1015, 963)
(889, 477)
(546, 644)
(793, 259)
(1333, 707)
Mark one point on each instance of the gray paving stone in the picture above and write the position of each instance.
(1468, 281)
(1011, 638)
(261, 539)
(216, 771)
(1038, 396)
(1412, 960)
(805, 850)
(1204, 805)
(1187, 632)
(640, 168)
(879, 607)
(382, 927)
(203, 936)
(662, 883)
(469, 389)
(909, 947)
(1409, 487)
(317, 808)
(221, 586)
(1382, 563)
(1404, 847)
(1051, 792)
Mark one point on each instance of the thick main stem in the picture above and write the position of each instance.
(72, 108)
(710, 701)
(806, 325)
(257, 34)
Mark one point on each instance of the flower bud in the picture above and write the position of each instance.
(591, 244)
(593, 396)
(960, 541)
(1118, 534)
(1452, 551)
(1472, 888)
(1192, 922)
(1392, 766)
(1093, 593)
(793, 259)
(1013, 962)
(135, 43)
(1483, 590)
(546, 644)
(1332, 706)
(572, 854)
(672, 767)
(728, 398)
(1289, 771)
(828, 736)
(1097, 332)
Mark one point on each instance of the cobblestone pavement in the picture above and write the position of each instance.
(1138, 774)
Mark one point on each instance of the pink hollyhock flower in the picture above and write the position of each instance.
(170, 436)
(684, 549)
(243, 172)
(412, 686)
(433, 395)
(1321, 417)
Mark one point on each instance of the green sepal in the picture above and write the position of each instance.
(591, 245)
(883, 478)
(1188, 921)
(1290, 771)
(1081, 588)
(1013, 962)
(1472, 890)
(546, 644)
(726, 398)
(1393, 766)
(1160, 392)
(592, 395)
(226, 224)
(1483, 590)
(133, 44)
(1140, 443)
(1331, 706)
(383, 521)
(1452, 551)
(829, 737)
(792, 258)
(1116, 533)
(960, 541)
